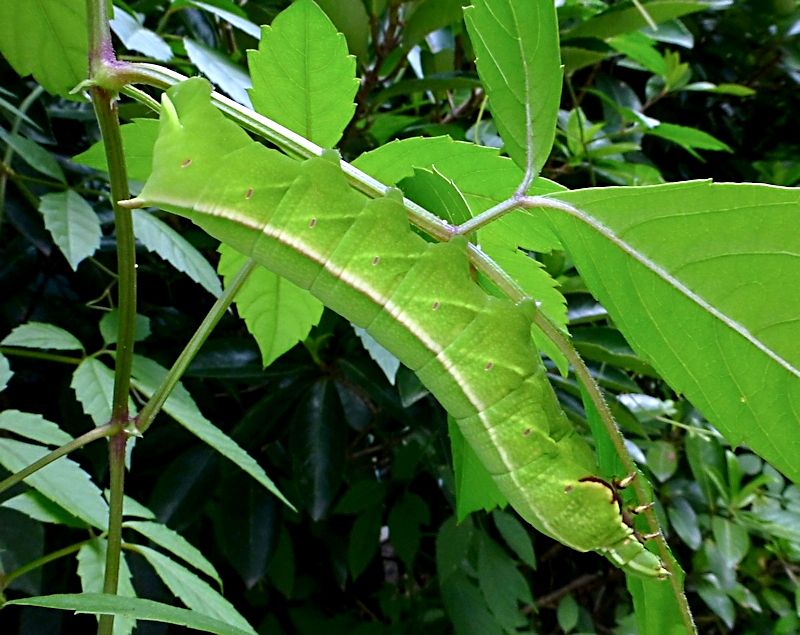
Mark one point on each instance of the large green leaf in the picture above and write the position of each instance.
(91, 570)
(46, 39)
(33, 426)
(104, 604)
(277, 313)
(696, 276)
(303, 77)
(516, 45)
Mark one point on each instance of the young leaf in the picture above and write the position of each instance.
(136, 37)
(516, 46)
(161, 239)
(193, 591)
(176, 544)
(147, 375)
(230, 77)
(91, 570)
(33, 426)
(73, 225)
(105, 604)
(63, 481)
(109, 324)
(682, 255)
(47, 40)
(277, 313)
(303, 77)
(42, 335)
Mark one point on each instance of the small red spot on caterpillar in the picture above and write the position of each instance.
(526, 432)
(376, 260)
(435, 306)
(249, 193)
(489, 366)
(186, 163)
(312, 223)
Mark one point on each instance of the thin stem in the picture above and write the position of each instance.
(106, 430)
(7, 579)
(593, 390)
(9, 154)
(159, 398)
(50, 357)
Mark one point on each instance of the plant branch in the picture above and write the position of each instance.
(50, 357)
(7, 579)
(159, 398)
(99, 432)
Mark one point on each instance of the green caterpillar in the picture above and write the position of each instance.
(359, 256)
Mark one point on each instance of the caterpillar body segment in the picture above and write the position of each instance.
(473, 351)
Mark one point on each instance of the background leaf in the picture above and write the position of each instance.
(289, 83)
(46, 39)
(73, 225)
(231, 78)
(42, 335)
(516, 48)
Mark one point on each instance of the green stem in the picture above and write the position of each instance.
(9, 155)
(584, 376)
(106, 430)
(49, 357)
(159, 398)
(40, 562)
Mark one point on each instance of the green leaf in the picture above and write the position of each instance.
(46, 39)
(243, 24)
(467, 608)
(33, 426)
(63, 481)
(138, 139)
(388, 363)
(137, 608)
(193, 591)
(516, 46)
(33, 154)
(93, 383)
(501, 584)
(176, 544)
(694, 275)
(364, 541)
(5, 372)
(737, 90)
(438, 194)
(109, 324)
(277, 313)
(136, 37)
(73, 225)
(640, 48)
(42, 335)
(148, 375)
(230, 77)
(606, 345)
(475, 487)
(683, 520)
(567, 613)
(405, 520)
(517, 537)
(688, 138)
(303, 77)
(626, 18)
(40, 508)
(428, 16)
(161, 239)
(91, 570)
(732, 539)
(351, 20)
(317, 446)
(662, 459)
